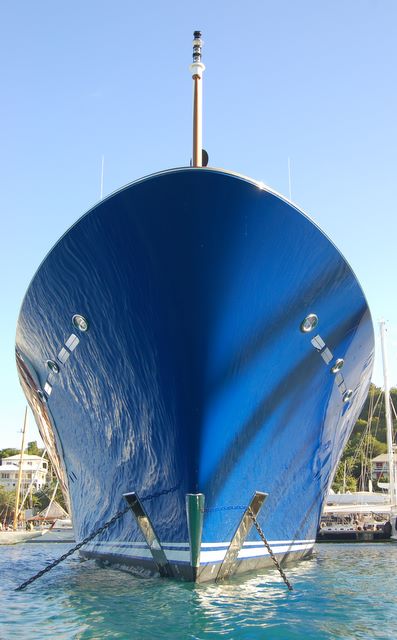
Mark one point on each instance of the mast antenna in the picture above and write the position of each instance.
(197, 69)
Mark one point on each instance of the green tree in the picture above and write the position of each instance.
(6, 453)
(344, 481)
(7, 505)
(366, 442)
(33, 449)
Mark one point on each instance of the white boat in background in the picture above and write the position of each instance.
(357, 502)
(61, 530)
(16, 537)
(56, 521)
(362, 516)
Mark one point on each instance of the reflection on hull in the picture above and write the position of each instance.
(195, 334)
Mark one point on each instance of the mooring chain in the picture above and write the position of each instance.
(73, 550)
(89, 538)
(238, 507)
(123, 512)
(267, 545)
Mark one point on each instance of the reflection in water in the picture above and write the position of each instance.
(333, 597)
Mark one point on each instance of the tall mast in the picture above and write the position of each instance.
(15, 524)
(389, 425)
(197, 69)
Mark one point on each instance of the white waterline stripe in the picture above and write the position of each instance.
(252, 543)
(253, 552)
(183, 556)
(204, 545)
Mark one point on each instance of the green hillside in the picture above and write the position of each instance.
(368, 440)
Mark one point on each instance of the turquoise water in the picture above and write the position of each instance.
(345, 591)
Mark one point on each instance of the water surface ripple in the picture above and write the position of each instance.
(346, 591)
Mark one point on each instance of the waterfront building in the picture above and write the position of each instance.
(380, 466)
(34, 472)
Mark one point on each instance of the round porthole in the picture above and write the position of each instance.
(52, 366)
(338, 365)
(347, 395)
(80, 323)
(309, 323)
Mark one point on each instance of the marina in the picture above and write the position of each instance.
(363, 516)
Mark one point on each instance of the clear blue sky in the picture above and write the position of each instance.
(313, 81)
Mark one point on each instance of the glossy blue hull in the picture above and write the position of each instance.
(194, 375)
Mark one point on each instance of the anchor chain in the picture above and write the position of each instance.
(265, 542)
(238, 507)
(118, 515)
(88, 539)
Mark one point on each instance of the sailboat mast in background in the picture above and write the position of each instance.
(389, 425)
(18, 492)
